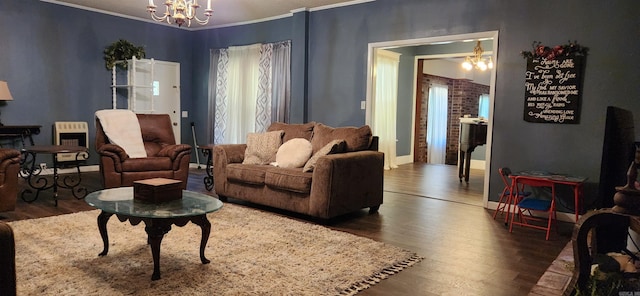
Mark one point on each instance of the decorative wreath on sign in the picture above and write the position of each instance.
(121, 50)
(540, 51)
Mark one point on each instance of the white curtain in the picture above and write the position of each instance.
(385, 105)
(242, 91)
(437, 124)
(249, 87)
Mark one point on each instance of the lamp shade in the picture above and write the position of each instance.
(5, 94)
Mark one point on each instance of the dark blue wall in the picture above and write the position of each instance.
(52, 58)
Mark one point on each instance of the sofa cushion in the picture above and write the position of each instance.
(292, 131)
(262, 147)
(246, 173)
(293, 153)
(356, 138)
(335, 146)
(288, 179)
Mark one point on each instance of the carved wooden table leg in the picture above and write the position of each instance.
(156, 229)
(205, 225)
(103, 218)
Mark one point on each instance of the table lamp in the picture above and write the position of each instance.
(5, 94)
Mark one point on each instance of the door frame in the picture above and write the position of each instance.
(431, 40)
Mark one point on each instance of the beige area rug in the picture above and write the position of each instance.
(251, 253)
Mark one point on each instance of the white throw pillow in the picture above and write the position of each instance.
(294, 153)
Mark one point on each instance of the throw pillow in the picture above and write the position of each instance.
(293, 153)
(335, 146)
(356, 138)
(262, 147)
(292, 131)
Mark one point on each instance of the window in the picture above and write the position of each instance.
(483, 106)
(437, 124)
(249, 87)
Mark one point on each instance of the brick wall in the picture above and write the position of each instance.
(463, 99)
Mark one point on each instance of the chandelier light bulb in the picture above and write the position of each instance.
(481, 65)
(467, 65)
(490, 64)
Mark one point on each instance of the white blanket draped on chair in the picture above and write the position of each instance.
(123, 129)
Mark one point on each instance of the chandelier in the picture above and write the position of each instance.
(477, 61)
(180, 11)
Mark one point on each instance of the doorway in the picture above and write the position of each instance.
(406, 132)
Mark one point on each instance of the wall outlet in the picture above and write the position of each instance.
(363, 105)
(43, 165)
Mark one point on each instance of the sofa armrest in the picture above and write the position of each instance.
(172, 151)
(9, 164)
(223, 155)
(113, 151)
(7, 260)
(347, 181)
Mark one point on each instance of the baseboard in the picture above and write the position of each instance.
(477, 164)
(404, 159)
(83, 168)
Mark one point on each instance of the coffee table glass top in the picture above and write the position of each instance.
(120, 201)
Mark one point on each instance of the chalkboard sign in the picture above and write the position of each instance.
(553, 90)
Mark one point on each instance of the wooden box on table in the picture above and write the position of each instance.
(157, 190)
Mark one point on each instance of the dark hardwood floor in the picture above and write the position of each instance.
(465, 251)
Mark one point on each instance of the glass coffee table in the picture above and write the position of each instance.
(158, 218)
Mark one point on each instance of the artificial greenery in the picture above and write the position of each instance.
(121, 50)
(610, 284)
(541, 51)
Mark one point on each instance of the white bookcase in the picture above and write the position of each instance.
(139, 84)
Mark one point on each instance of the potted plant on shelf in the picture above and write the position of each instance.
(121, 50)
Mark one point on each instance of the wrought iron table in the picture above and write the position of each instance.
(207, 151)
(157, 217)
(31, 172)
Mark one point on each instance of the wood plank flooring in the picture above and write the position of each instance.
(426, 210)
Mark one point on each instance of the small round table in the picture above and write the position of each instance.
(157, 217)
(31, 172)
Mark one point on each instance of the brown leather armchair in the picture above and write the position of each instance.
(9, 169)
(165, 158)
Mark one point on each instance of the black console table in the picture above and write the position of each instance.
(19, 132)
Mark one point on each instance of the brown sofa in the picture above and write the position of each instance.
(165, 158)
(9, 169)
(340, 183)
(7, 260)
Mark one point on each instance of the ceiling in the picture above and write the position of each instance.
(225, 12)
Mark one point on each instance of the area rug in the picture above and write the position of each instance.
(251, 252)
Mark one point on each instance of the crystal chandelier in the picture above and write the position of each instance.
(180, 11)
(477, 61)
